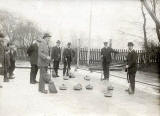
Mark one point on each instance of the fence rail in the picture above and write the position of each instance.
(95, 56)
(120, 57)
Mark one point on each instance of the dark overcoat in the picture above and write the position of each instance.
(33, 54)
(132, 61)
(106, 54)
(56, 53)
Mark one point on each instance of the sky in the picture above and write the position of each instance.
(69, 20)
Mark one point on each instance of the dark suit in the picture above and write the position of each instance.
(68, 54)
(33, 54)
(13, 55)
(132, 67)
(56, 55)
(5, 60)
(106, 60)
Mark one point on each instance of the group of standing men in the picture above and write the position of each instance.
(131, 66)
(7, 58)
(41, 56)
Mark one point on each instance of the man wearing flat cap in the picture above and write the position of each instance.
(43, 60)
(106, 60)
(56, 57)
(68, 54)
(131, 66)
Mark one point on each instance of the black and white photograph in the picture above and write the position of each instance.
(79, 57)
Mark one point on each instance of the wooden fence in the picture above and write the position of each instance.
(95, 56)
(120, 57)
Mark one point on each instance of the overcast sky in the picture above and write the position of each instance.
(118, 20)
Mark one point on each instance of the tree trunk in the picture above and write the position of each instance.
(157, 28)
(155, 19)
(145, 35)
(144, 28)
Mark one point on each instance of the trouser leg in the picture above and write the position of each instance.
(32, 73)
(11, 68)
(35, 74)
(6, 78)
(64, 68)
(132, 81)
(68, 67)
(106, 72)
(43, 71)
(56, 66)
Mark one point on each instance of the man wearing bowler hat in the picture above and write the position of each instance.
(43, 60)
(131, 66)
(56, 57)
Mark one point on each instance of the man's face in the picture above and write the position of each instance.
(47, 39)
(69, 46)
(105, 45)
(130, 47)
(58, 44)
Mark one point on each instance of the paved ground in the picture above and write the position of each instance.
(19, 98)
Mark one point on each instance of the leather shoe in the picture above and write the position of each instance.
(33, 82)
(36, 81)
(44, 91)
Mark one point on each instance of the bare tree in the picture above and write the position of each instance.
(19, 31)
(153, 14)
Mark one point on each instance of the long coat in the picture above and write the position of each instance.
(106, 54)
(13, 54)
(43, 53)
(132, 61)
(56, 53)
(33, 53)
(4, 57)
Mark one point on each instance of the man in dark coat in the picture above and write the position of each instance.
(106, 59)
(131, 66)
(33, 54)
(56, 57)
(13, 55)
(4, 57)
(68, 54)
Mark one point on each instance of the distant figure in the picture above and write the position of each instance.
(106, 59)
(43, 61)
(1, 55)
(131, 67)
(13, 55)
(33, 54)
(68, 54)
(4, 57)
(56, 57)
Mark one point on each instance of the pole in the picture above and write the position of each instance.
(78, 49)
(90, 27)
